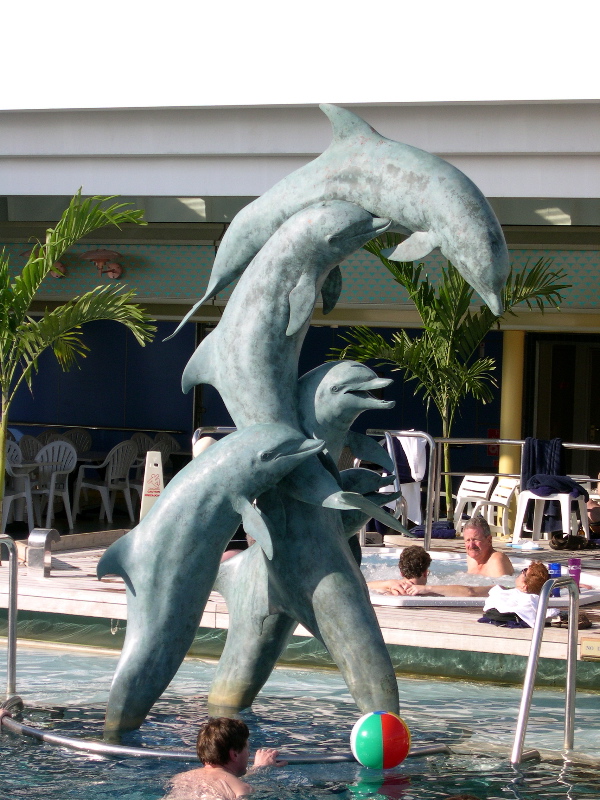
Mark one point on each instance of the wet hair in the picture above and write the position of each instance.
(535, 577)
(217, 737)
(413, 562)
(478, 523)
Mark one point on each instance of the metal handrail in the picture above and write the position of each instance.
(430, 477)
(122, 751)
(11, 657)
(532, 663)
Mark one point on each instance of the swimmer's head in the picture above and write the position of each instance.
(414, 562)
(218, 737)
(532, 578)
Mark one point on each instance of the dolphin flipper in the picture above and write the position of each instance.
(350, 500)
(302, 302)
(416, 246)
(331, 290)
(256, 524)
(115, 561)
(367, 449)
(363, 480)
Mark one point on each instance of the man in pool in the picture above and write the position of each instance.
(413, 564)
(414, 567)
(482, 559)
(222, 746)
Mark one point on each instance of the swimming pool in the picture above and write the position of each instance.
(382, 563)
(299, 710)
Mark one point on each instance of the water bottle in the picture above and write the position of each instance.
(554, 572)
(575, 569)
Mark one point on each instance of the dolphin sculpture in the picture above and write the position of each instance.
(313, 577)
(251, 357)
(169, 562)
(421, 193)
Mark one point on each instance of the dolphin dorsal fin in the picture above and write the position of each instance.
(345, 124)
(199, 368)
(256, 524)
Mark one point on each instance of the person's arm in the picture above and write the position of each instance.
(393, 586)
(449, 590)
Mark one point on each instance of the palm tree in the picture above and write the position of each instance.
(442, 360)
(24, 338)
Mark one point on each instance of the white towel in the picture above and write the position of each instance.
(514, 600)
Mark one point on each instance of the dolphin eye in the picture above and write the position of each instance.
(266, 456)
(335, 388)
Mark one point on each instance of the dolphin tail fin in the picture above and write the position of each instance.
(114, 561)
(345, 124)
(416, 246)
(199, 368)
(331, 290)
(367, 449)
(302, 302)
(362, 480)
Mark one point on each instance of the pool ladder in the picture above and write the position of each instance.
(517, 754)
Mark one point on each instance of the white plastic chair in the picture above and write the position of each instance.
(18, 487)
(80, 439)
(45, 436)
(166, 437)
(495, 510)
(565, 501)
(143, 441)
(57, 460)
(30, 447)
(472, 489)
(116, 479)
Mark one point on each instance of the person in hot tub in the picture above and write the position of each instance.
(414, 566)
(482, 559)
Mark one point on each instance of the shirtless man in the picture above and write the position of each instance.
(222, 746)
(482, 559)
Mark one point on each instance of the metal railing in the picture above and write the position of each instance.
(11, 656)
(532, 663)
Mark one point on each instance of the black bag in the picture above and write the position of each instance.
(443, 529)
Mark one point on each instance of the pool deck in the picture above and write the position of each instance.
(72, 589)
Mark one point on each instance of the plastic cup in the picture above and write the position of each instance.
(554, 572)
(575, 569)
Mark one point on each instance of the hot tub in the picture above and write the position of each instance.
(381, 563)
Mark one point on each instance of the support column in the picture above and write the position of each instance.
(511, 403)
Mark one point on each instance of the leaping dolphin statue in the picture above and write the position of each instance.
(169, 562)
(421, 193)
(251, 357)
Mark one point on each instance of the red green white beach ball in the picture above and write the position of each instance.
(380, 740)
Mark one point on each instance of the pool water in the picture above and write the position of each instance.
(298, 710)
(445, 568)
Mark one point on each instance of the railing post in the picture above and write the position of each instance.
(532, 662)
(39, 552)
(11, 658)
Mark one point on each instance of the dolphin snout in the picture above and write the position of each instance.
(304, 447)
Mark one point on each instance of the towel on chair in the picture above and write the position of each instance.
(542, 457)
(543, 485)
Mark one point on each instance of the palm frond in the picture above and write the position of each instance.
(80, 218)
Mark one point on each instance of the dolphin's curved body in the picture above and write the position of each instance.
(313, 577)
(421, 193)
(251, 357)
(169, 562)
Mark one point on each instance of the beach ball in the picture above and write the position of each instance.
(380, 740)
